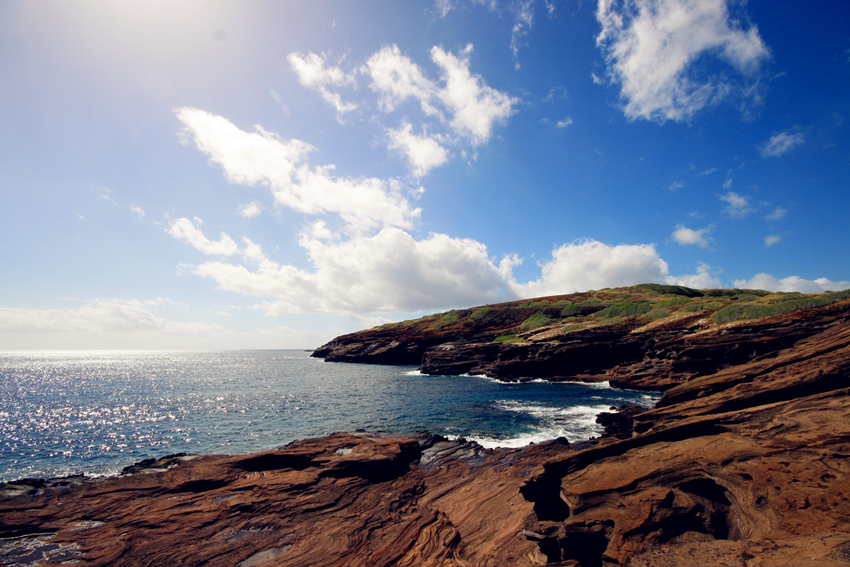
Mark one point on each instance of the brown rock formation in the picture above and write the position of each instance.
(339, 500)
(745, 461)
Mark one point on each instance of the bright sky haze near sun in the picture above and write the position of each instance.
(203, 174)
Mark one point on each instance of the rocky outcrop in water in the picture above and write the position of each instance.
(745, 461)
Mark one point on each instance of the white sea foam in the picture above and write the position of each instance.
(575, 423)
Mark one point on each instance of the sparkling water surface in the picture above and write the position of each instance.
(95, 412)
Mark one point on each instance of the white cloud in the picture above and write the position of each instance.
(688, 236)
(250, 210)
(772, 239)
(138, 210)
(781, 143)
(791, 283)
(701, 280)
(396, 78)
(96, 315)
(653, 48)
(189, 232)
(388, 272)
(313, 73)
(460, 107)
(444, 7)
(777, 214)
(564, 123)
(589, 264)
(263, 158)
(130, 324)
(524, 21)
(555, 93)
(319, 231)
(737, 206)
(423, 153)
(476, 107)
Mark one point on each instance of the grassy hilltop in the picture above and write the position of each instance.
(640, 307)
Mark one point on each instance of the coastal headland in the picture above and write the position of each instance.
(744, 461)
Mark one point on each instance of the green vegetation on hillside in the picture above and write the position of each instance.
(645, 307)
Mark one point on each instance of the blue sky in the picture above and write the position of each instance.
(273, 174)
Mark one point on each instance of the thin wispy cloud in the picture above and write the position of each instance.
(777, 214)
(772, 239)
(782, 143)
(250, 210)
(522, 26)
(190, 232)
(314, 73)
(654, 49)
(737, 206)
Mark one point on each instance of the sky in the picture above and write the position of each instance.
(230, 175)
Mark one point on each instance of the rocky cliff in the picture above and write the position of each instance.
(745, 460)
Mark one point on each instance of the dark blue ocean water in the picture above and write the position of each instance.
(96, 412)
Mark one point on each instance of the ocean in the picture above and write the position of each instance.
(96, 412)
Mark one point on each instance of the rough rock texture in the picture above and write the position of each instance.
(339, 500)
(656, 359)
(747, 466)
(745, 461)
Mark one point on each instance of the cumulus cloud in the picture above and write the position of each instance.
(564, 123)
(138, 210)
(772, 239)
(590, 264)
(314, 73)
(781, 143)
(263, 158)
(475, 107)
(460, 106)
(737, 206)
(688, 236)
(424, 153)
(396, 78)
(701, 280)
(250, 210)
(791, 283)
(378, 268)
(190, 232)
(388, 272)
(653, 49)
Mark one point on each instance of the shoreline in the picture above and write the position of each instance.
(743, 464)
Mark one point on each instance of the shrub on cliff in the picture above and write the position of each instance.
(739, 311)
(535, 321)
(570, 311)
(625, 310)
